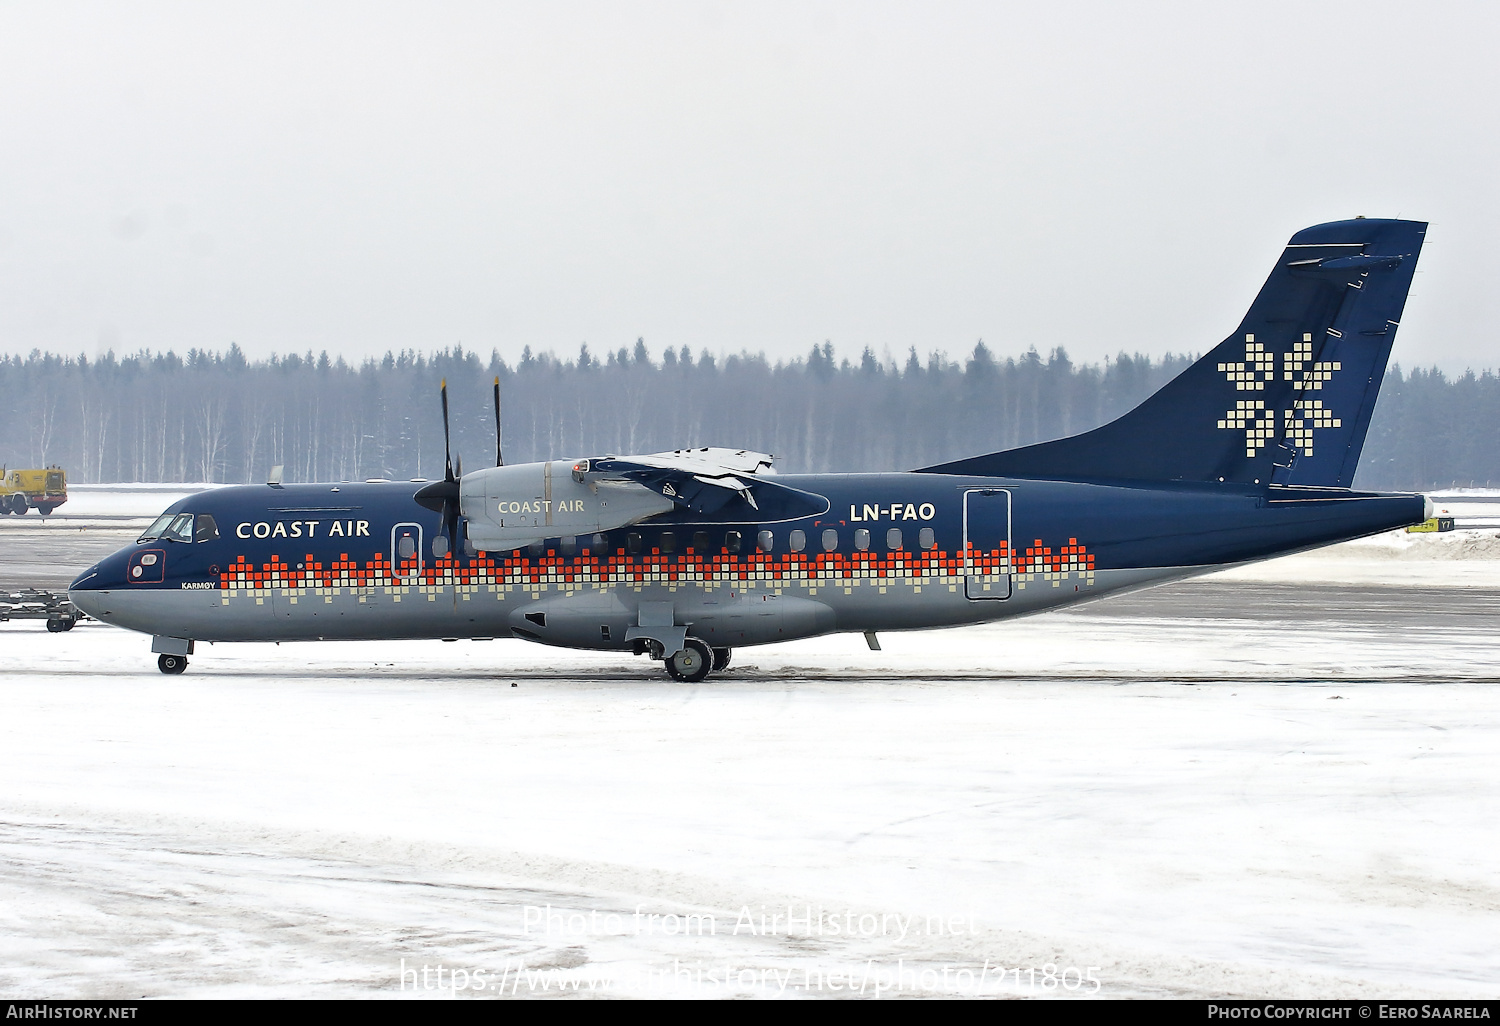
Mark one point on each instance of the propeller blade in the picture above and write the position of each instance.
(447, 451)
(499, 458)
(450, 522)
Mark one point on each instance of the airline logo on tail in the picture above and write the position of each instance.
(1259, 423)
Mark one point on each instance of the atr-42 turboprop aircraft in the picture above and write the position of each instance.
(683, 556)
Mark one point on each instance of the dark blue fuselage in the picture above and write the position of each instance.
(887, 552)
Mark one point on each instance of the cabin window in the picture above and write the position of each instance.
(927, 538)
(205, 529)
(830, 540)
(667, 543)
(536, 550)
(406, 546)
(862, 540)
(700, 542)
(797, 541)
(180, 529)
(633, 542)
(568, 546)
(893, 539)
(765, 541)
(439, 546)
(731, 541)
(597, 543)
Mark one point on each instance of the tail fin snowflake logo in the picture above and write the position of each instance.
(1298, 423)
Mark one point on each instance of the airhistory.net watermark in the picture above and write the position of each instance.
(761, 921)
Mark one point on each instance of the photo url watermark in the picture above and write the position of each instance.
(871, 978)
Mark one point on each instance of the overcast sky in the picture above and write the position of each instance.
(764, 176)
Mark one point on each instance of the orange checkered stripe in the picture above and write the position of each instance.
(621, 568)
(1072, 557)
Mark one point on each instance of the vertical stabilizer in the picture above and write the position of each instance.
(1287, 397)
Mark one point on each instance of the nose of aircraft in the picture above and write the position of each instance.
(88, 589)
(83, 594)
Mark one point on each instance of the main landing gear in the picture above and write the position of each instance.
(171, 663)
(692, 663)
(696, 661)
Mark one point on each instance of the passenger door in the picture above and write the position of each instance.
(987, 558)
(406, 553)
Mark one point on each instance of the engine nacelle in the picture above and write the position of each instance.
(508, 507)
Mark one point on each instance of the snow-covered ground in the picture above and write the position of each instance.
(1286, 799)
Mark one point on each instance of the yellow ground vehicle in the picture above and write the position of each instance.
(43, 490)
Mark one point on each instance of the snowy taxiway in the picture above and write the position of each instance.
(1279, 781)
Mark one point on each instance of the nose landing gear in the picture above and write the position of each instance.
(171, 663)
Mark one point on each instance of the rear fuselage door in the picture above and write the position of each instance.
(987, 562)
(406, 553)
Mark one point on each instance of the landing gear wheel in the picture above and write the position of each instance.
(721, 658)
(692, 664)
(171, 663)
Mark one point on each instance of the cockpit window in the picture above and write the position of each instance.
(159, 525)
(180, 529)
(205, 529)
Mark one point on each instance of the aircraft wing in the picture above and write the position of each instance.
(711, 461)
(702, 480)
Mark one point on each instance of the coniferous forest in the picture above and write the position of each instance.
(217, 416)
